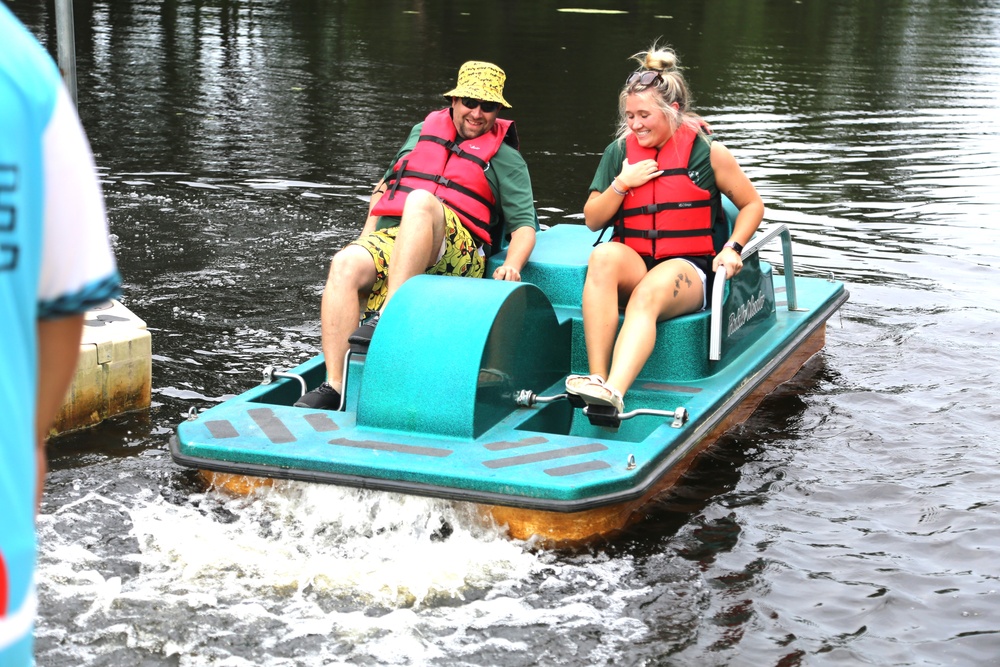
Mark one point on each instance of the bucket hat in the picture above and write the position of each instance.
(481, 81)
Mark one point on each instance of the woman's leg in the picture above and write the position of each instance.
(613, 272)
(669, 289)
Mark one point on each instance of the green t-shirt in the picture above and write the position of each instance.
(508, 178)
(699, 166)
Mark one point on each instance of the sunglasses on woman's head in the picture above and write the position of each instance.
(472, 103)
(647, 78)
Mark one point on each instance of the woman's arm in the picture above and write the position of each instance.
(602, 206)
(733, 183)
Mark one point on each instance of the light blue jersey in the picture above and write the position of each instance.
(55, 261)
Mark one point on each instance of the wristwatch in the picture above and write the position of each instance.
(735, 246)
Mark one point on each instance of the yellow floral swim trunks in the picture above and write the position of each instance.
(462, 257)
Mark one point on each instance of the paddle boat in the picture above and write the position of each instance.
(461, 395)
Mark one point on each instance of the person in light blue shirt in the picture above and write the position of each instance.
(55, 264)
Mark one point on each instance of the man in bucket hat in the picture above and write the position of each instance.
(455, 189)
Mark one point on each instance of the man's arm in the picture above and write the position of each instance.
(58, 351)
(371, 220)
(517, 202)
(522, 242)
(382, 186)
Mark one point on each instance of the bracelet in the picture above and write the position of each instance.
(614, 186)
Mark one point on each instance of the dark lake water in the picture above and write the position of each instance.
(853, 520)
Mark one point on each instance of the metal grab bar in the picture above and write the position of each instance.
(600, 415)
(718, 288)
(270, 372)
(526, 398)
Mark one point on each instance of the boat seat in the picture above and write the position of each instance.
(558, 264)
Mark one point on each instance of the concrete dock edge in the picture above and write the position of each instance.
(114, 373)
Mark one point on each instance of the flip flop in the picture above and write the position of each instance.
(575, 382)
(601, 394)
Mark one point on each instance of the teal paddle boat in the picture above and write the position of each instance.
(460, 394)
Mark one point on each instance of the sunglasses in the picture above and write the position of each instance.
(647, 78)
(472, 103)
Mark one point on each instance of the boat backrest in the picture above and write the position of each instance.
(450, 352)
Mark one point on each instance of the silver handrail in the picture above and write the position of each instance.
(270, 372)
(718, 288)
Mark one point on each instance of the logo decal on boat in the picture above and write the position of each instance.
(745, 312)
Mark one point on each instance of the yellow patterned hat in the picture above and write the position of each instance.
(480, 80)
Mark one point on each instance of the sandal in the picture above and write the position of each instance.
(576, 382)
(601, 394)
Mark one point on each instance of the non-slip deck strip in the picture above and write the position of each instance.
(221, 429)
(512, 444)
(273, 428)
(321, 423)
(675, 388)
(576, 469)
(548, 455)
(392, 447)
(272, 425)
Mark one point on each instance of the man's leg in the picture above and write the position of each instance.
(352, 274)
(459, 255)
(419, 241)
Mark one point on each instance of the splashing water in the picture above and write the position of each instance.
(302, 569)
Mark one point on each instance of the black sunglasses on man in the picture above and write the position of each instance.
(472, 103)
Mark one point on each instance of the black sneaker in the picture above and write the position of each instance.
(362, 336)
(323, 397)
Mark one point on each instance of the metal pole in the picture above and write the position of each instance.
(715, 321)
(66, 43)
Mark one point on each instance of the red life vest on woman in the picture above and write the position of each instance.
(460, 183)
(669, 216)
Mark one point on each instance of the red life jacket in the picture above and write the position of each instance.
(461, 183)
(669, 216)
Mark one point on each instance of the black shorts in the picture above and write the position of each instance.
(703, 262)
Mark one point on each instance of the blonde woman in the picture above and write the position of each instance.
(658, 189)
